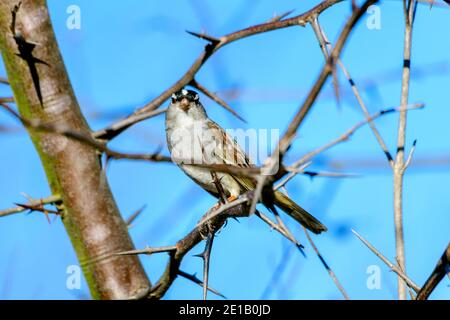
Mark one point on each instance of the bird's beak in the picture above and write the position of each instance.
(184, 104)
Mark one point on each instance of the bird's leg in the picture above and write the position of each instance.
(222, 197)
(217, 206)
(219, 203)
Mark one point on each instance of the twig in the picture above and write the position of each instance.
(278, 272)
(393, 267)
(84, 138)
(7, 99)
(410, 155)
(280, 229)
(135, 214)
(411, 293)
(399, 167)
(287, 138)
(322, 38)
(31, 204)
(196, 280)
(38, 207)
(147, 251)
(280, 16)
(327, 174)
(233, 209)
(327, 267)
(344, 137)
(442, 267)
(324, 45)
(440, 160)
(141, 113)
(115, 128)
(4, 80)
(291, 175)
(215, 98)
(204, 36)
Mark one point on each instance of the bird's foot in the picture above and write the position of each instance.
(229, 199)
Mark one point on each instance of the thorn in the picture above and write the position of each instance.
(193, 83)
(135, 215)
(200, 255)
(280, 16)
(39, 208)
(193, 278)
(219, 188)
(204, 36)
(300, 248)
(206, 260)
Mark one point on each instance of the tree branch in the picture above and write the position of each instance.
(323, 41)
(285, 142)
(393, 267)
(237, 208)
(439, 272)
(42, 91)
(399, 167)
(214, 45)
(326, 266)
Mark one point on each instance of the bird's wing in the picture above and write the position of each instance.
(229, 151)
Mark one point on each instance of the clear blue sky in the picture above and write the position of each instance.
(126, 53)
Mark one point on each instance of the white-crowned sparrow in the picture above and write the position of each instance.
(193, 138)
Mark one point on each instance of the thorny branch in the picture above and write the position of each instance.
(216, 217)
(158, 157)
(442, 268)
(237, 208)
(214, 45)
(324, 43)
(36, 204)
(215, 98)
(286, 140)
(393, 267)
(398, 165)
(42, 90)
(344, 137)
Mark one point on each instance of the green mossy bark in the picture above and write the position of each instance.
(77, 163)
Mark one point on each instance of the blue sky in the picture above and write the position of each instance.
(126, 53)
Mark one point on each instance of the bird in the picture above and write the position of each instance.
(193, 138)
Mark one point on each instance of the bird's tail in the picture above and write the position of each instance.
(298, 213)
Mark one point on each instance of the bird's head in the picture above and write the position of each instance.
(188, 101)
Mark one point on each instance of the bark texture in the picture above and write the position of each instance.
(42, 91)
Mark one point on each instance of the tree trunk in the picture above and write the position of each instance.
(43, 91)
